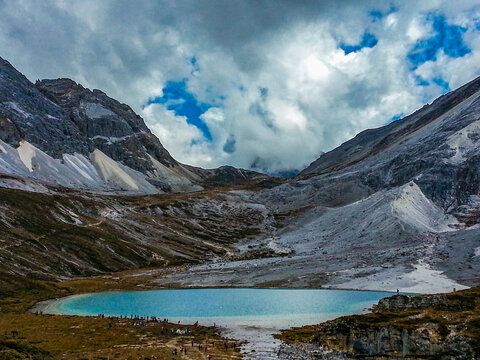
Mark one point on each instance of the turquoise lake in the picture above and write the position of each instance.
(253, 315)
(222, 303)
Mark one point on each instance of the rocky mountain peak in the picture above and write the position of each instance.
(109, 125)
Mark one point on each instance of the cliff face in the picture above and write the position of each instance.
(107, 125)
(391, 341)
(25, 114)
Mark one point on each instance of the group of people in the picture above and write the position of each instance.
(136, 320)
(183, 350)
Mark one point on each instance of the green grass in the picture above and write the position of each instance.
(13, 349)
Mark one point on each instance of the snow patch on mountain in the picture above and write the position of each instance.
(421, 280)
(464, 141)
(15, 107)
(477, 251)
(80, 164)
(10, 162)
(47, 169)
(426, 280)
(101, 173)
(112, 139)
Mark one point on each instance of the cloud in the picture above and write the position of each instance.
(257, 84)
(177, 98)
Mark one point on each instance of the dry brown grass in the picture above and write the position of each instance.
(77, 337)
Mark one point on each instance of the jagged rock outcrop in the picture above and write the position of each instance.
(107, 124)
(25, 114)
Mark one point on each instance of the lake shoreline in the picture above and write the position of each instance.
(43, 305)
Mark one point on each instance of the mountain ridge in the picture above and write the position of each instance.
(86, 131)
(421, 117)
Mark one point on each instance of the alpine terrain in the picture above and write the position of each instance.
(87, 190)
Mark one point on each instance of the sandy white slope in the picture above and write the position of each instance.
(81, 165)
(100, 173)
(414, 208)
(10, 161)
(174, 177)
(119, 175)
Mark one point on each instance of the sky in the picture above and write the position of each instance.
(260, 84)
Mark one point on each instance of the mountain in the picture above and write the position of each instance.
(83, 186)
(57, 132)
(437, 147)
(396, 207)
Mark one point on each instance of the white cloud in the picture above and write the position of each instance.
(317, 96)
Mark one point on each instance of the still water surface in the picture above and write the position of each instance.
(246, 314)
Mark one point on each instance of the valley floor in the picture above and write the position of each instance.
(132, 342)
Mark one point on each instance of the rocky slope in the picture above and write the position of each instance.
(437, 147)
(394, 208)
(57, 132)
(62, 234)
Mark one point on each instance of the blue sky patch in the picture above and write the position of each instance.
(376, 14)
(177, 98)
(194, 63)
(395, 118)
(448, 38)
(368, 41)
(420, 81)
(443, 84)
